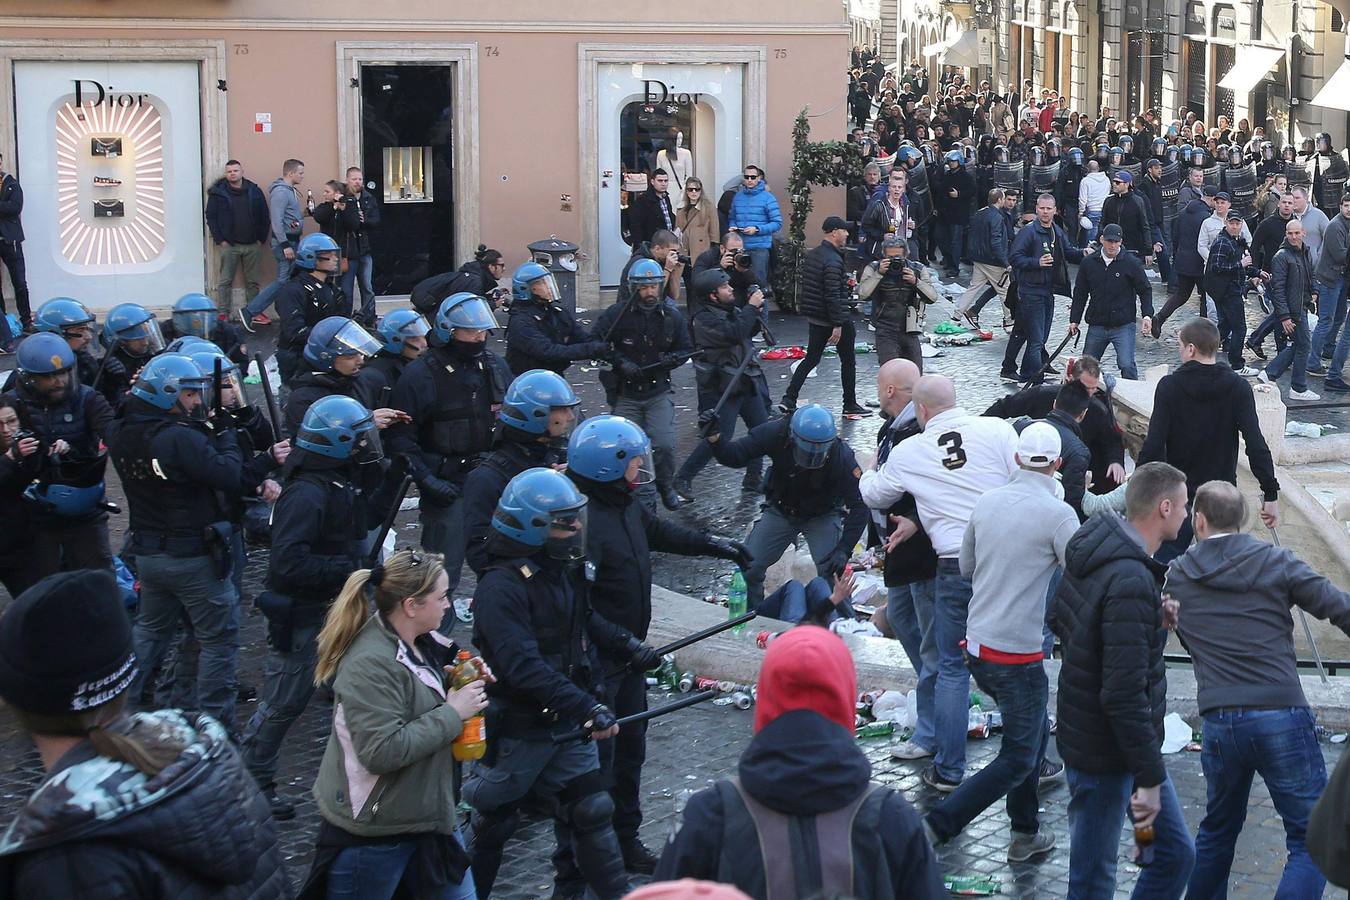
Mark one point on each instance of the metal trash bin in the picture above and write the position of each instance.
(560, 258)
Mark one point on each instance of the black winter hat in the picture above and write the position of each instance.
(45, 666)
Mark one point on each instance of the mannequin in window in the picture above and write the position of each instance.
(678, 163)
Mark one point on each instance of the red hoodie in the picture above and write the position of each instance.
(807, 668)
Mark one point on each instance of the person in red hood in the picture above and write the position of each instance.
(803, 780)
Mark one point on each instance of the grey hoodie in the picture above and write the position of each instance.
(283, 201)
(1237, 595)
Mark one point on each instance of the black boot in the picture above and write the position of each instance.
(487, 837)
(637, 858)
(282, 811)
(684, 487)
(595, 846)
(669, 498)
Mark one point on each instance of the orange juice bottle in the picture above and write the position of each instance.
(472, 741)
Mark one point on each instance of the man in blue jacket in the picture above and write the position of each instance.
(1188, 266)
(1039, 257)
(990, 236)
(236, 214)
(756, 217)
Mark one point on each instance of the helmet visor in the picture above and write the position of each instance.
(546, 287)
(200, 409)
(198, 322)
(475, 314)
(352, 339)
(566, 534)
(231, 388)
(644, 474)
(810, 454)
(368, 447)
(142, 340)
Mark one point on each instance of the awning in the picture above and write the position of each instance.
(1252, 65)
(939, 48)
(1335, 94)
(961, 50)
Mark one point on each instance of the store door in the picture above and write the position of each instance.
(407, 139)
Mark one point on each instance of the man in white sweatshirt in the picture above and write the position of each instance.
(946, 468)
(1092, 193)
(1314, 221)
(1213, 226)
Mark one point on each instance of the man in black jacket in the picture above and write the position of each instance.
(990, 236)
(824, 303)
(953, 195)
(11, 244)
(1227, 272)
(236, 215)
(1150, 189)
(1291, 289)
(1198, 412)
(1106, 288)
(731, 258)
(1190, 267)
(652, 210)
(1129, 210)
(1071, 406)
(1112, 695)
(359, 215)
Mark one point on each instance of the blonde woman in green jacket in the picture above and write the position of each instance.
(386, 784)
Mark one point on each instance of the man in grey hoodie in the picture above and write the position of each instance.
(1233, 597)
(287, 215)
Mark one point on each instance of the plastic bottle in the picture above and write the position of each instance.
(472, 740)
(877, 729)
(736, 603)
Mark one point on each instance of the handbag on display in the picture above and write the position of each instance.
(109, 209)
(105, 147)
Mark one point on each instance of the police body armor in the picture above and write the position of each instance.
(643, 345)
(1297, 174)
(920, 196)
(81, 468)
(166, 515)
(1330, 174)
(1131, 167)
(1010, 176)
(1240, 183)
(463, 423)
(1169, 185)
(1043, 180)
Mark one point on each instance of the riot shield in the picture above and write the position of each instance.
(1169, 183)
(920, 195)
(1240, 183)
(1212, 175)
(1132, 168)
(1043, 179)
(1008, 175)
(1330, 183)
(1298, 174)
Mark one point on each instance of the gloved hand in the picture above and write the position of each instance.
(642, 657)
(113, 368)
(835, 562)
(627, 369)
(600, 718)
(590, 349)
(708, 426)
(674, 360)
(438, 490)
(726, 548)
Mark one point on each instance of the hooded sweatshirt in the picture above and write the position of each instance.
(283, 201)
(1237, 595)
(1198, 412)
(96, 827)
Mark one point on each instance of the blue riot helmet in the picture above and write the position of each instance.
(531, 400)
(1200, 157)
(163, 380)
(188, 344)
(131, 327)
(813, 434)
(1186, 152)
(603, 447)
(66, 499)
(400, 325)
(968, 152)
(908, 156)
(531, 277)
(62, 315)
(1172, 153)
(1289, 153)
(1126, 143)
(1076, 155)
(1235, 156)
(955, 156)
(1103, 153)
(195, 314)
(1037, 156)
(1267, 151)
(1053, 149)
(1159, 147)
(339, 427)
(337, 336)
(312, 246)
(541, 508)
(929, 154)
(46, 366)
(231, 386)
(464, 310)
(1001, 153)
(1117, 156)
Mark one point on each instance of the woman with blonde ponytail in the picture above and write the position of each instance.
(385, 788)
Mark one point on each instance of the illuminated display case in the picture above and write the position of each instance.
(406, 175)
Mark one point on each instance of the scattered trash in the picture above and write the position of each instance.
(408, 503)
(971, 885)
(1339, 738)
(1176, 734)
(948, 328)
(1306, 429)
(929, 351)
(792, 352)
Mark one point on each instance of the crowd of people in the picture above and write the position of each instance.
(557, 518)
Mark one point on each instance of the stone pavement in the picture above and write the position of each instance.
(693, 747)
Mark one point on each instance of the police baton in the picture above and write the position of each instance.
(764, 319)
(731, 386)
(273, 408)
(217, 379)
(388, 523)
(103, 363)
(582, 734)
(1031, 382)
(695, 638)
(1303, 618)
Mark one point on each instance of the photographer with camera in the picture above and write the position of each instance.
(664, 249)
(730, 257)
(899, 294)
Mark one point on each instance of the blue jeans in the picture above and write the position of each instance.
(1122, 338)
(1096, 219)
(1281, 745)
(759, 264)
(360, 271)
(1022, 693)
(1098, 808)
(952, 237)
(374, 870)
(1330, 317)
(909, 611)
(794, 601)
(1035, 312)
(951, 694)
(1296, 353)
(259, 304)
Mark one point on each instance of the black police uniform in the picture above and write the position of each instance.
(451, 396)
(309, 387)
(302, 303)
(175, 472)
(515, 452)
(81, 419)
(375, 382)
(822, 504)
(319, 528)
(228, 337)
(537, 632)
(543, 335)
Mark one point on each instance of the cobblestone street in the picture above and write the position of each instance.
(691, 748)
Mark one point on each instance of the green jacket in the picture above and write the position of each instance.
(388, 769)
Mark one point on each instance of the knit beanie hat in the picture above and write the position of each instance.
(687, 889)
(65, 644)
(807, 668)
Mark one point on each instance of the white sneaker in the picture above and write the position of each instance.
(1249, 372)
(1263, 377)
(1304, 395)
(464, 610)
(758, 339)
(910, 750)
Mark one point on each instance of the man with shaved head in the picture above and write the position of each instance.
(945, 468)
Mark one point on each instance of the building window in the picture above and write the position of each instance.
(1337, 22)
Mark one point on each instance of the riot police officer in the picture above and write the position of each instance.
(650, 339)
(335, 351)
(197, 315)
(722, 333)
(812, 491)
(131, 336)
(542, 333)
(331, 499)
(72, 321)
(404, 336)
(536, 418)
(312, 295)
(607, 458)
(176, 459)
(452, 392)
(1066, 190)
(538, 633)
(70, 420)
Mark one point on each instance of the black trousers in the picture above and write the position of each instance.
(1182, 293)
(817, 341)
(11, 255)
(624, 755)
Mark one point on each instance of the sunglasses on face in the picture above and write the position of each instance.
(751, 177)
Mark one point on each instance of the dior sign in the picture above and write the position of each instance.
(99, 94)
(655, 93)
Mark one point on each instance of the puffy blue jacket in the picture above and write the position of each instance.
(758, 207)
